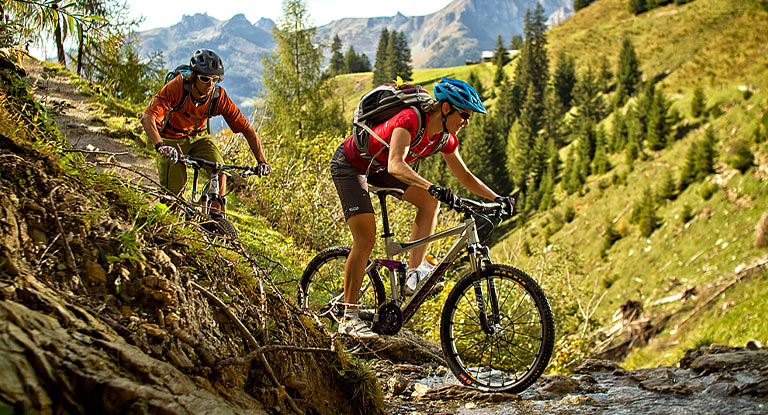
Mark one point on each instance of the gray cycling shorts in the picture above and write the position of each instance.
(352, 184)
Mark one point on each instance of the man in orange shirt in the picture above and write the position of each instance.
(173, 130)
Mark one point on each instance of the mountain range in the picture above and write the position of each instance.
(448, 37)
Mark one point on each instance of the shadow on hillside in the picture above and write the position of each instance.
(684, 129)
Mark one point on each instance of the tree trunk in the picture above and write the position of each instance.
(59, 45)
(80, 52)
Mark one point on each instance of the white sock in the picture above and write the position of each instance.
(352, 313)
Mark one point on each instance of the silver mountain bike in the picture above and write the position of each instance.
(497, 331)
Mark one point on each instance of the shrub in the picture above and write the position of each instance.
(610, 237)
(707, 190)
(697, 103)
(686, 214)
(761, 232)
(569, 214)
(739, 156)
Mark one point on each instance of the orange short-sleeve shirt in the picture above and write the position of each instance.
(192, 117)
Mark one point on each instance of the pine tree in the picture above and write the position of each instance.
(499, 60)
(293, 77)
(351, 61)
(516, 43)
(488, 157)
(658, 122)
(380, 75)
(645, 214)
(620, 133)
(600, 163)
(398, 57)
(704, 161)
(533, 66)
(474, 80)
(666, 189)
(604, 76)
(698, 102)
(580, 4)
(628, 73)
(564, 80)
(688, 172)
(336, 65)
(637, 6)
(554, 127)
(588, 97)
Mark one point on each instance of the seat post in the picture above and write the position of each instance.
(384, 216)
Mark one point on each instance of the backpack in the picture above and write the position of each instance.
(184, 70)
(382, 103)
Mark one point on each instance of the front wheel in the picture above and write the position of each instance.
(321, 288)
(497, 330)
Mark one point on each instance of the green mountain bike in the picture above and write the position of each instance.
(496, 329)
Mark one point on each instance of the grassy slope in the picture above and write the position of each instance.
(720, 45)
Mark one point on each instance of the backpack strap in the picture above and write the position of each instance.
(212, 106)
(365, 153)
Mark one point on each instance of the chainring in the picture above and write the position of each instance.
(388, 319)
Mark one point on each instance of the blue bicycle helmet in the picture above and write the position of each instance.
(460, 94)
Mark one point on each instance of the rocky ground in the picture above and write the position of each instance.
(64, 336)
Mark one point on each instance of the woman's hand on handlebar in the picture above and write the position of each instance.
(507, 204)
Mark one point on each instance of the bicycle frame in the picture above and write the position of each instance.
(209, 194)
(468, 240)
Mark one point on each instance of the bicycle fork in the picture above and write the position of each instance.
(479, 260)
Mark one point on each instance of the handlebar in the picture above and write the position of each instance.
(474, 207)
(199, 163)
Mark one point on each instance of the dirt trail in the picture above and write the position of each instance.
(77, 118)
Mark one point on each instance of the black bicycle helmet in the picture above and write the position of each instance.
(206, 62)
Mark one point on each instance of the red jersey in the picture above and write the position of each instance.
(408, 119)
(191, 117)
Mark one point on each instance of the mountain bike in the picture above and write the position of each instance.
(497, 331)
(210, 220)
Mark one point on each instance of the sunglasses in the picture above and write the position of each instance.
(464, 115)
(208, 79)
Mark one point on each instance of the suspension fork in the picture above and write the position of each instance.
(478, 255)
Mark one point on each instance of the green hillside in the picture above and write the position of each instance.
(706, 238)
(721, 46)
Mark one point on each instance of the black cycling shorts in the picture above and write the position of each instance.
(352, 184)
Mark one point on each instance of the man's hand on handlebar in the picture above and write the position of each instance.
(507, 204)
(167, 151)
(444, 195)
(263, 169)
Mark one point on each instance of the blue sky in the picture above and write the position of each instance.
(164, 13)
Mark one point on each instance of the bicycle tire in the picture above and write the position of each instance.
(323, 281)
(516, 354)
(220, 226)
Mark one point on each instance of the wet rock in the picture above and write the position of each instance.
(595, 365)
(397, 384)
(734, 361)
(462, 393)
(759, 388)
(559, 384)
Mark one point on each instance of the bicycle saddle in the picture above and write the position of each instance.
(392, 191)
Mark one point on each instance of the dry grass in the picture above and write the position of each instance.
(761, 232)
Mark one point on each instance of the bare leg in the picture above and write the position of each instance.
(425, 222)
(216, 206)
(363, 228)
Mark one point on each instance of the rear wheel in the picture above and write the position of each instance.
(321, 288)
(497, 330)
